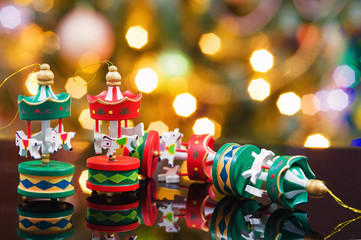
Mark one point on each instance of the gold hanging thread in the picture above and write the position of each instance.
(109, 63)
(339, 227)
(27, 81)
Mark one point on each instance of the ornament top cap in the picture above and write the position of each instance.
(113, 77)
(45, 75)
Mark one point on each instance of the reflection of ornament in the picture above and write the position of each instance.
(45, 220)
(147, 194)
(112, 213)
(45, 179)
(248, 219)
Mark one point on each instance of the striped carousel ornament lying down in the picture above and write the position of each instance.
(240, 171)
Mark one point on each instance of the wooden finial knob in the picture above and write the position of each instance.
(45, 75)
(113, 77)
(316, 188)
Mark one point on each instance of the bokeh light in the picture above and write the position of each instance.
(76, 87)
(43, 6)
(289, 103)
(32, 83)
(85, 121)
(207, 126)
(146, 80)
(50, 42)
(261, 60)
(346, 76)
(337, 100)
(210, 43)
(317, 141)
(83, 31)
(259, 89)
(310, 104)
(158, 126)
(137, 37)
(82, 182)
(185, 104)
(174, 63)
(322, 96)
(10, 17)
(87, 61)
(204, 126)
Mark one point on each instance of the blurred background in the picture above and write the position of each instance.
(261, 72)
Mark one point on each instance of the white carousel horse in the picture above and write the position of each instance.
(172, 141)
(169, 221)
(26, 144)
(115, 143)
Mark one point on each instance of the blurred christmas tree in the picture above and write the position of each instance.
(247, 70)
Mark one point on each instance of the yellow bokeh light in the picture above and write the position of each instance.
(158, 126)
(185, 104)
(207, 126)
(32, 83)
(310, 104)
(137, 37)
(317, 141)
(259, 89)
(261, 60)
(76, 87)
(146, 80)
(85, 121)
(87, 61)
(289, 103)
(210, 43)
(43, 6)
(82, 182)
(51, 42)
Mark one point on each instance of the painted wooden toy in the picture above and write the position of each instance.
(112, 172)
(198, 153)
(241, 170)
(45, 220)
(111, 214)
(44, 178)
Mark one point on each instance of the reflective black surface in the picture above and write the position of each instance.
(190, 207)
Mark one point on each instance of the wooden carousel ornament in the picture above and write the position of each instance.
(241, 170)
(44, 178)
(198, 153)
(111, 172)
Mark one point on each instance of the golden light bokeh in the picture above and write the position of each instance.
(259, 89)
(289, 103)
(207, 126)
(88, 62)
(158, 126)
(210, 43)
(185, 104)
(310, 104)
(317, 141)
(43, 6)
(85, 121)
(32, 83)
(82, 182)
(146, 80)
(137, 37)
(261, 60)
(76, 87)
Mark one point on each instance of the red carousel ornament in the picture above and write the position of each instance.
(111, 172)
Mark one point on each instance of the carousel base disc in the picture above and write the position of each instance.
(101, 228)
(54, 180)
(56, 236)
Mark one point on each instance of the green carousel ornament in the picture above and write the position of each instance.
(43, 178)
(240, 171)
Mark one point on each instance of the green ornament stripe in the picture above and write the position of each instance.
(111, 218)
(112, 177)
